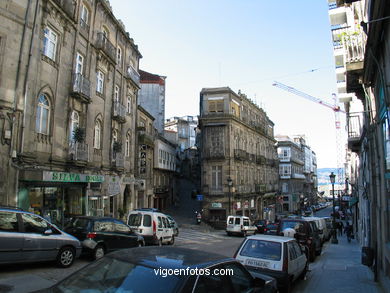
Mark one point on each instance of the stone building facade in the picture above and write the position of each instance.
(68, 103)
(239, 169)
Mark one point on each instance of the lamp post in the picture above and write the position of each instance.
(334, 234)
(302, 202)
(230, 184)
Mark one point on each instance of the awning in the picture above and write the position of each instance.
(269, 195)
(353, 201)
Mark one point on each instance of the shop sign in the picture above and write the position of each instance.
(71, 177)
(114, 186)
(252, 203)
(216, 205)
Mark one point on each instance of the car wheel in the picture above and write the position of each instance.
(172, 240)
(160, 242)
(177, 232)
(65, 257)
(98, 252)
(244, 233)
(140, 244)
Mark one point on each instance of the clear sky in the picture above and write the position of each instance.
(246, 45)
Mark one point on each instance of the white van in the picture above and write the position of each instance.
(239, 225)
(153, 225)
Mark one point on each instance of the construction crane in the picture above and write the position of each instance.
(336, 109)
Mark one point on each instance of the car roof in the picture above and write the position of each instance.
(169, 257)
(238, 216)
(271, 238)
(95, 218)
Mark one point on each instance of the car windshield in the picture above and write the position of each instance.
(263, 249)
(113, 275)
(135, 220)
(78, 223)
(288, 224)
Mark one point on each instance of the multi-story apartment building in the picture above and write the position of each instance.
(182, 131)
(238, 155)
(68, 100)
(291, 175)
(165, 164)
(365, 49)
(145, 159)
(152, 97)
(310, 186)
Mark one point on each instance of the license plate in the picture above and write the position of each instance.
(257, 263)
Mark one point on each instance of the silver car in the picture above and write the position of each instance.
(27, 237)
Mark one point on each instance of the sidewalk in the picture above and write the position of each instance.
(339, 269)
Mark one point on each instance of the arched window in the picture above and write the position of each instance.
(74, 123)
(97, 135)
(114, 135)
(43, 115)
(127, 150)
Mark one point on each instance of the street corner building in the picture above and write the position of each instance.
(239, 163)
(68, 107)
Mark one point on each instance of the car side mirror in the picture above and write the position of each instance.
(48, 232)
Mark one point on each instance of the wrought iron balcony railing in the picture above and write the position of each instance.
(132, 74)
(106, 46)
(78, 151)
(119, 111)
(81, 87)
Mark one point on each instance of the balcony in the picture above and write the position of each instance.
(132, 74)
(354, 132)
(118, 160)
(81, 88)
(241, 155)
(103, 44)
(78, 151)
(84, 28)
(260, 160)
(68, 6)
(213, 154)
(260, 188)
(145, 138)
(119, 112)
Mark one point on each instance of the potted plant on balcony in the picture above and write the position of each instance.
(78, 134)
(117, 147)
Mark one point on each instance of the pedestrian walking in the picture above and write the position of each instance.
(348, 231)
(340, 227)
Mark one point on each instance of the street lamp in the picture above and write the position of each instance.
(230, 184)
(302, 197)
(334, 237)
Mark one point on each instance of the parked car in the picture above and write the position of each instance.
(27, 237)
(280, 257)
(260, 225)
(145, 269)
(306, 234)
(174, 225)
(239, 225)
(271, 229)
(100, 235)
(153, 225)
(323, 231)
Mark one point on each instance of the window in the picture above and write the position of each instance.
(128, 105)
(34, 224)
(147, 221)
(118, 55)
(97, 135)
(116, 94)
(121, 227)
(84, 16)
(284, 170)
(100, 82)
(43, 115)
(159, 222)
(241, 280)
(216, 106)
(284, 187)
(74, 123)
(291, 251)
(216, 177)
(79, 64)
(49, 43)
(8, 222)
(127, 150)
(262, 249)
(103, 226)
(212, 284)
